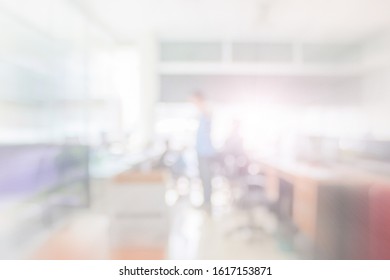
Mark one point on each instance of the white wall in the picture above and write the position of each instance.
(376, 85)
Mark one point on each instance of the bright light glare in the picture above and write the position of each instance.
(261, 126)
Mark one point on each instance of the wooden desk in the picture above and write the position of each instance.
(331, 207)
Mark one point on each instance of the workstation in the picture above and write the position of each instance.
(333, 213)
(194, 129)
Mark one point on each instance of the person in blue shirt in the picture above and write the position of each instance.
(204, 147)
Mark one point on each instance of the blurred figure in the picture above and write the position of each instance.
(165, 157)
(179, 166)
(233, 154)
(234, 143)
(204, 147)
(172, 159)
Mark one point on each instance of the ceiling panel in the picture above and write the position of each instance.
(319, 20)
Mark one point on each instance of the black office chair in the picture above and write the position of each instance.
(248, 193)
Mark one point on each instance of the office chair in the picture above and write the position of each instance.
(248, 193)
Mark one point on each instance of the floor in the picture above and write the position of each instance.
(193, 232)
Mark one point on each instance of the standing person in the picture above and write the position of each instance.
(204, 147)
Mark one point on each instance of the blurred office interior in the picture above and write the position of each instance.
(98, 131)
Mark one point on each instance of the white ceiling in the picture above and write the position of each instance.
(318, 20)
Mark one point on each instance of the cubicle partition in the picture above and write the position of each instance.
(27, 170)
(379, 234)
(40, 184)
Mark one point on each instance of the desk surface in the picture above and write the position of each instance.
(325, 174)
(111, 166)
